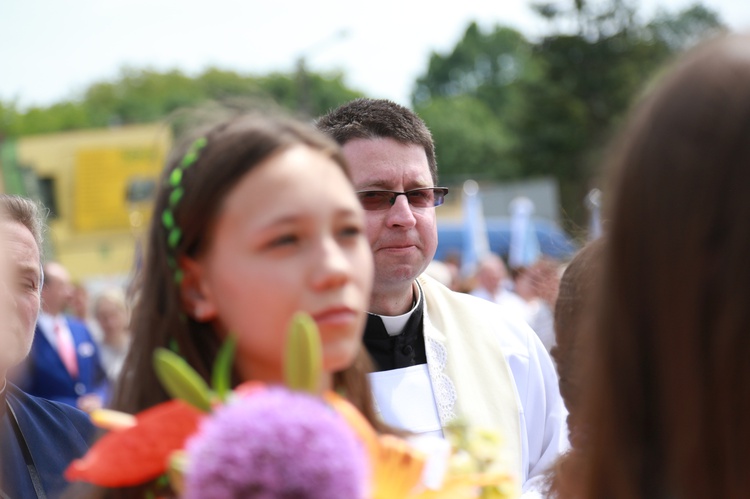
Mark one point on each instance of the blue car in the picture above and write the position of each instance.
(553, 241)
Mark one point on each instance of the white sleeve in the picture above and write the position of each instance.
(544, 431)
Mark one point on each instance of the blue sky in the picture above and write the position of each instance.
(52, 49)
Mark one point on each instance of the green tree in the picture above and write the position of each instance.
(482, 65)
(568, 114)
(308, 94)
(145, 95)
(469, 139)
(468, 98)
(679, 32)
(8, 118)
(548, 107)
(588, 81)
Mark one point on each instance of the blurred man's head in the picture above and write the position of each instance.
(21, 241)
(111, 312)
(539, 281)
(57, 290)
(79, 302)
(491, 272)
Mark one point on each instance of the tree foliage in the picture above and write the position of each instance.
(483, 65)
(550, 104)
(469, 138)
(144, 95)
(468, 99)
(500, 106)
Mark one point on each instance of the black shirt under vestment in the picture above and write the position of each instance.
(394, 352)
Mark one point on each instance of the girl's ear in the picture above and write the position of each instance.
(195, 295)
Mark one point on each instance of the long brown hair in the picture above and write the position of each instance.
(576, 300)
(575, 303)
(670, 387)
(232, 149)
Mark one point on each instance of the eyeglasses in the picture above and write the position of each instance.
(426, 197)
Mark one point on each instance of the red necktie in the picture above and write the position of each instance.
(66, 350)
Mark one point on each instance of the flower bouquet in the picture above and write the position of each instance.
(263, 442)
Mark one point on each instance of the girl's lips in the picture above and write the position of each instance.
(335, 315)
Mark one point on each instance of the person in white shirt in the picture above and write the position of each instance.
(112, 315)
(440, 355)
(493, 283)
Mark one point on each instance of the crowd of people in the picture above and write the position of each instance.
(259, 217)
(528, 293)
(74, 360)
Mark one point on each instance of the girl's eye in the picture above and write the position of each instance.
(285, 240)
(351, 231)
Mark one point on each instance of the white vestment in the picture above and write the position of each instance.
(491, 371)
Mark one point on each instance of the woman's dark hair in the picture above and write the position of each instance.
(575, 304)
(670, 383)
(576, 301)
(232, 149)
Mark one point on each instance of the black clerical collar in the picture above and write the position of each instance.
(403, 349)
(395, 324)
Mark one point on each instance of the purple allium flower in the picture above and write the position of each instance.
(275, 444)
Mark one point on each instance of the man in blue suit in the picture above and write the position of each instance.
(64, 362)
(38, 438)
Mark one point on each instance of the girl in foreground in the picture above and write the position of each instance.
(666, 411)
(254, 221)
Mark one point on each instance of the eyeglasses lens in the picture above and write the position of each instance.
(417, 198)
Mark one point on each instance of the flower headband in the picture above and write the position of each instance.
(174, 181)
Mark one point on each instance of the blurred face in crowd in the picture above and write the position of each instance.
(541, 280)
(79, 302)
(289, 238)
(524, 285)
(20, 283)
(57, 291)
(491, 273)
(403, 238)
(112, 317)
(547, 278)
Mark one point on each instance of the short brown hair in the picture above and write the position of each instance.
(25, 212)
(379, 118)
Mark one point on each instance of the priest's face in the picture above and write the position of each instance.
(20, 277)
(289, 237)
(403, 238)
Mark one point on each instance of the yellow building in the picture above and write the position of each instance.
(98, 185)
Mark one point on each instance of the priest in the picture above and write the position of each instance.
(441, 356)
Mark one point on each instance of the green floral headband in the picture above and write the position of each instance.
(174, 181)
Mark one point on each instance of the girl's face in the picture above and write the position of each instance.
(289, 237)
